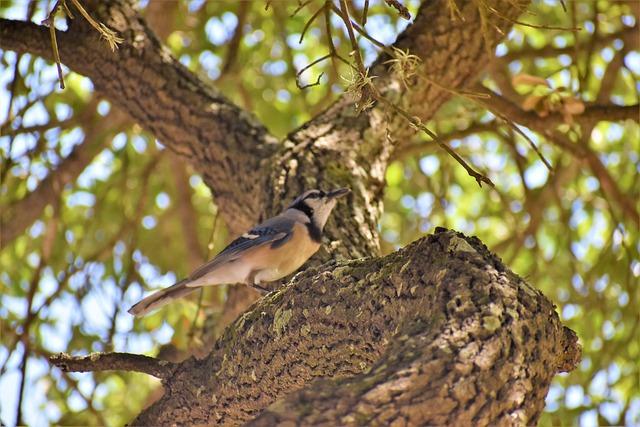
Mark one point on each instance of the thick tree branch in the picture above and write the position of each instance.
(442, 325)
(593, 113)
(114, 362)
(183, 112)
(609, 113)
(25, 37)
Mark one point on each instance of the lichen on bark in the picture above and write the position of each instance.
(432, 334)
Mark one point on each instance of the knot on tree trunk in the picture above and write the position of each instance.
(440, 332)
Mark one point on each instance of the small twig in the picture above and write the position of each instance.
(50, 22)
(418, 125)
(279, 14)
(4, 168)
(369, 37)
(327, 25)
(306, 67)
(361, 82)
(333, 53)
(210, 246)
(352, 38)
(300, 7)
(405, 150)
(487, 103)
(309, 22)
(454, 10)
(362, 31)
(67, 11)
(308, 85)
(96, 362)
(402, 9)
(7, 130)
(529, 140)
(365, 12)
(107, 33)
(24, 336)
(234, 44)
(317, 82)
(192, 330)
(525, 24)
(462, 93)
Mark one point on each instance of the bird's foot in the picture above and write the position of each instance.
(260, 289)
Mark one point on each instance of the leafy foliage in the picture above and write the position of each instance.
(136, 218)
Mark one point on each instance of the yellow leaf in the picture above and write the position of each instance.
(530, 102)
(528, 79)
(573, 106)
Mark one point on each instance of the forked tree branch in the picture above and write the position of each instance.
(545, 127)
(340, 147)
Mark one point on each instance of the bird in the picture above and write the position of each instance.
(269, 251)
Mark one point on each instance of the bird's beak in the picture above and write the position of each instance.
(335, 194)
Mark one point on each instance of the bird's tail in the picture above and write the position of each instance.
(160, 298)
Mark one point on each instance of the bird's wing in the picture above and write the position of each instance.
(276, 231)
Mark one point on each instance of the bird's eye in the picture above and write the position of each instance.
(313, 195)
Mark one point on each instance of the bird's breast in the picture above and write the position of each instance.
(290, 256)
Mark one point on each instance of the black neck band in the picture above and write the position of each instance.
(305, 209)
(315, 232)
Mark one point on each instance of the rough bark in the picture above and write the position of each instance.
(439, 333)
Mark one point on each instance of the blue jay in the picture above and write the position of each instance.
(272, 250)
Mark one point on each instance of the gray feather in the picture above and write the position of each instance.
(160, 298)
(273, 231)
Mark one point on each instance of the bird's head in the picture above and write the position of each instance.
(317, 204)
